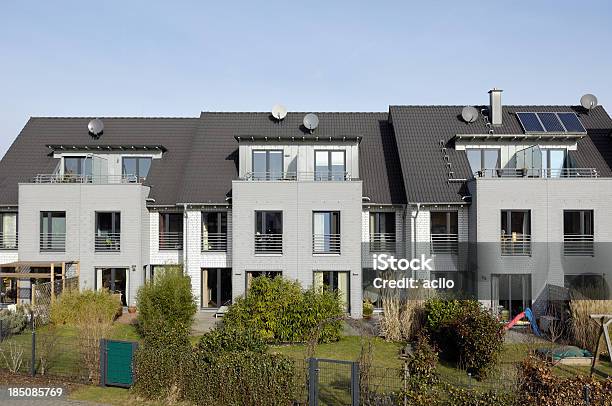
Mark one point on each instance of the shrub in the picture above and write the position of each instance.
(167, 301)
(14, 322)
(228, 339)
(279, 310)
(243, 378)
(465, 333)
(421, 364)
(368, 309)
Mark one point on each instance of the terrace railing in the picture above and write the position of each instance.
(326, 243)
(516, 244)
(578, 245)
(54, 242)
(382, 242)
(537, 173)
(444, 243)
(76, 178)
(107, 242)
(268, 243)
(297, 176)
(214, 242)
(9, 241)
(170, 240)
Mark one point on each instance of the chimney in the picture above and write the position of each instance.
(495, 106)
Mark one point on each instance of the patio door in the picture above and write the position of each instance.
(216, 287)
(115, 280)
(511, 292)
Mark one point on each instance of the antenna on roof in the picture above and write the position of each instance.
(469, 114)
(95, 128)
(588, 101)
(279, 111)
(311, 121)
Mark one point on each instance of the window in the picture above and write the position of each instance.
(326, 232)
(259, 274)
(216, 287)
(330, 165)
(108, 231)
(516, 232)
(136, 168)
(578, 236)
(214, 231)
(8, 231)
(53, 231)
(337, 281)
(170, 231)
(554, 163)
(267, 165)
(77, 166)
(382, 231)
(113, 279)
(591, 286)
(444, 229)
(484, 162)
(269, 232)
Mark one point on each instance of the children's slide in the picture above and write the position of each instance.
(529, 314)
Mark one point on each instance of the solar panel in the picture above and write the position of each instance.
(551, 122)
(571, 122)
(530, 122)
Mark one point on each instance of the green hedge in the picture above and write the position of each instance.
(280, 311)
(88, 306)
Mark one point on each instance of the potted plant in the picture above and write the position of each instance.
(132, 309)
(368, 309)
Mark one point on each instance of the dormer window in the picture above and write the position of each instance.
(136, 168)
(484, 162)
(77, 166)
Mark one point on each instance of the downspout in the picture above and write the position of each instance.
(413, 229)
(185, 239)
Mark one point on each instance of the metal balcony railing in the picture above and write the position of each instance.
(75, 178)
(298, 176)
(326, 244)
(268, 243)
(9, 241)
(537, 173)
(53, 242)
(444, 243)
(170, 241)
(107, 242)
(516, 244)
(578, 245)
(214, 242)
(382, 242)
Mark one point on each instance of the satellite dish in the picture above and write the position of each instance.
(95, 127)
(588, 101)
(469, 114)
(311, 121)
(279, 111)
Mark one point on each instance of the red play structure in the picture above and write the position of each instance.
(529, 314)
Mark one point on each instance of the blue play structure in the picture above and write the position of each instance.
(529, 314)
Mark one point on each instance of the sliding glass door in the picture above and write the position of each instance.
(216, 287)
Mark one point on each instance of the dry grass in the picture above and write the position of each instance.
(403, 318)
(584, 329)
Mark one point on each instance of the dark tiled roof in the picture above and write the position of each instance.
(419, 130)
(29, 156)
(213, 162)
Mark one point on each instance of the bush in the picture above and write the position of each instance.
(243, 378)
(228, 339)
(421, 364)
(14, 322)
(368, 308)
(280, 311)
(465, 333)
(167, 301)
(88, 306)
(540, 386)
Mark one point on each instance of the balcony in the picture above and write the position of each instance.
(95, 179)
(268, 243)
(516, 244)
(170, 241)
(53, 242)
(107, 242)
(214, 242)
(9, 241)
(296, 177)
(382, 242)
(444, 243)
(537, 173)
(326, 244)
(578, 245)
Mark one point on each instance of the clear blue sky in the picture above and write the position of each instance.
(147, 58)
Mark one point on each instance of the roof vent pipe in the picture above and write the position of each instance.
(495, 106)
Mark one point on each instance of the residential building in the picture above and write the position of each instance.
(506, 203)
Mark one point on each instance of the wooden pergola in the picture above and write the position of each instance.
(21, 265)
